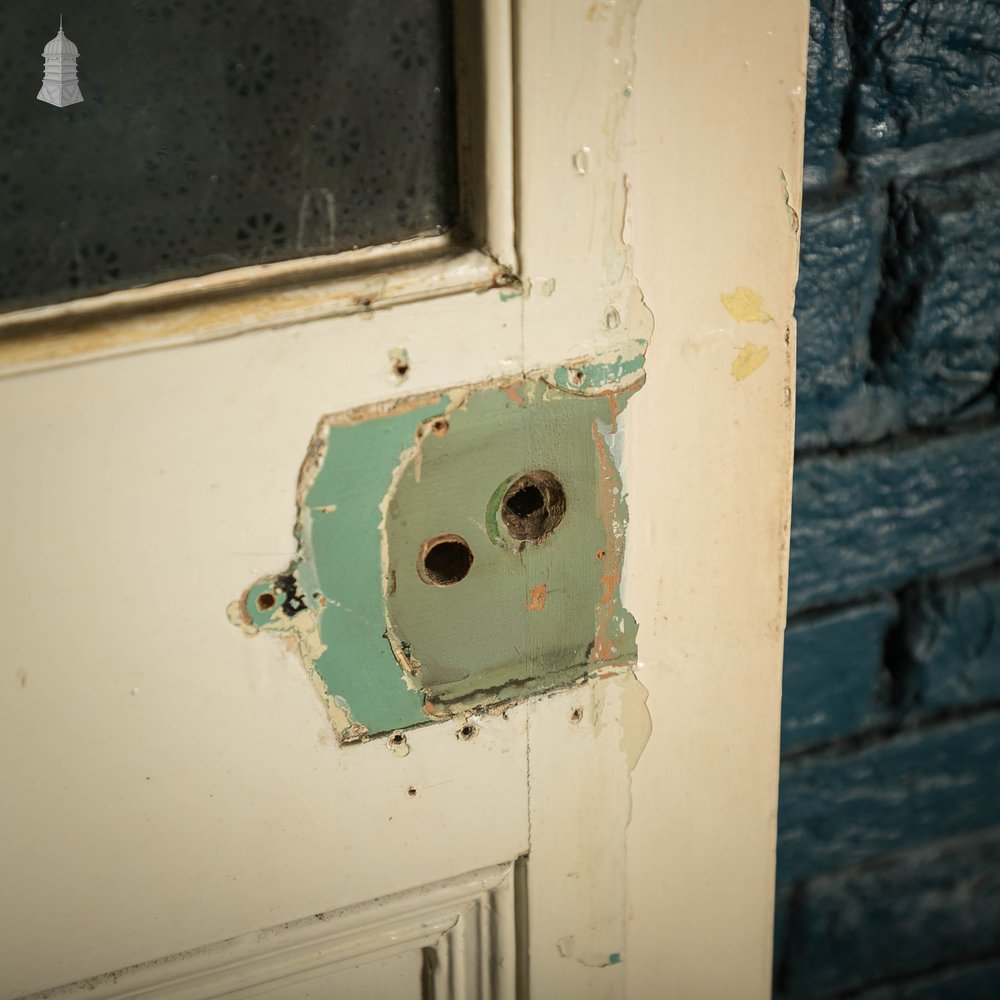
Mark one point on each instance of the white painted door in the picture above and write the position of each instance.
(175, 802)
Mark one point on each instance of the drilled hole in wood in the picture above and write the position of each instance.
(467, 731)
(444, 560)
(533, 506)
(526, 501)
(400, 368)
(411, 791)
(265, 602)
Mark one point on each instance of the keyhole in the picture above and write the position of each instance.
(444, 560)
(533, 506)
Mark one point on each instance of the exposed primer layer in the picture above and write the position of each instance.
(385, 649)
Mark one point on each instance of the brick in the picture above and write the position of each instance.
(897, 917)
(938, 320)
(831, 675)
(835, 300)
(876, 170)
(953, 642)
(905, 330)
(837, 809)
(879, 517)
(828, 75)
(930, 71)
(976, 981)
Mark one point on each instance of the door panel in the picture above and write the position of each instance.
(447, 940)
(197, 787)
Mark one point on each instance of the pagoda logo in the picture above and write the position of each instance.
(59, 84)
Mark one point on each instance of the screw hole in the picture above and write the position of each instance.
(533, 506)
(577, 377)
(576, 715)
(440, 427)
(400, 368)
(444, 560)
(467, 731)
(412, 792)
(265, 602)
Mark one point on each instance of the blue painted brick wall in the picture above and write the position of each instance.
(860, 925)
(974, 980)
(839, 278)
(850, 804)
(897, 302)
(876, 517)
(833, 686)
(828, 76)
(953, 645)
(927, 70)
(889, 814)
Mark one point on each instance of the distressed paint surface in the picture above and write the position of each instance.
(473, 640)
(385, 649)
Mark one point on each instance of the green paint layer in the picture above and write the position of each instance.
(530, 615)
(344, 545)
(388, 649)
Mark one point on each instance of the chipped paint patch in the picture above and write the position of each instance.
(399, 363)
(606, 373)
(378, 484)
(750, 358)
(469, 643)
(636, 722)
(745, 305)
(792, 215)
(611, 638)
(598, 959)
(329, 601)
(537, 599)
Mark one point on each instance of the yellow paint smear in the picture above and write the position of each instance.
(745, 305)
(750, 358)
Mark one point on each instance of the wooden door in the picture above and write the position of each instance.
(180, 817)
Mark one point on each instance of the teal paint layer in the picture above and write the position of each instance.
(602, 376)
(337, 606)
(344, 546)
(334, 597)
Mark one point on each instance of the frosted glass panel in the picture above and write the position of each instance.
(217, 134)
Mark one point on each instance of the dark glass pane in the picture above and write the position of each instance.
(216, 134)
